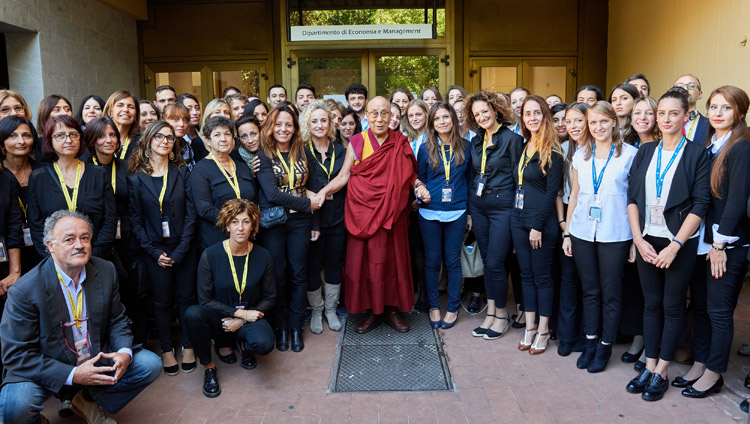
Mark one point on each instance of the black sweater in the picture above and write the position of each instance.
(540, 190)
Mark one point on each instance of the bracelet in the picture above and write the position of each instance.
(560, 222)
(674, 239)
(718, 248)
(670, 249)
(566, 236)
(419, 184)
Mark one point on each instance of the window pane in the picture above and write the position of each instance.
(546, 80)
(498, 78)
(330, 75)
(413, 73)
(183, 82)
(247, 80)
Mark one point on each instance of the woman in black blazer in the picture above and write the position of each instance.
(218, 178)
(533, 221)
(88, 188)
(665, 209)
(163, 220)
(726, 236)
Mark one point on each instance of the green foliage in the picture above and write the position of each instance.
(410, 72)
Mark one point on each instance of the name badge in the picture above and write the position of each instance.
(329, 197)
(242, 306)
(657, 215)
(595, 209)
(83, 351)
(447, 194)
(117, 234)
(519, 199)
(481, 181)
(27, 237)
(3, 252)
(165, 229)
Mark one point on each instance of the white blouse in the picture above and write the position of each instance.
(613, 196)
(666, 155)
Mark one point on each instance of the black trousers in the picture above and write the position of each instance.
(490, 217)
(327, 252)
(664, 294)
(288, 244)
(169, 285)
(568, 315)
(713, 303)
(600, 266)
(204, 324)
(631, 317)
(416, 252)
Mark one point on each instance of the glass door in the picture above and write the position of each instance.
(249, 77)
(413, 70)
(329, 72)
(541, 76)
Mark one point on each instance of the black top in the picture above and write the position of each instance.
(332, 212)
(502, 156)
(211, 190)
(199, 148)
(131, 147)
(178, 210)
(690, 191)
(274, 184)
(216, 288)
(11, 217)
(95, 200)
(729, 211)
(540, 190)
(23, 194)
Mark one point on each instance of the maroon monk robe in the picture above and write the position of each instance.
(378, 267)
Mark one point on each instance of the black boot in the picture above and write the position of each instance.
(588, 354)
(564, 348)
(297, 343)
(601, 358)
(282, 339)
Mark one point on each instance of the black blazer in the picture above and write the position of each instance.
(691, 186)
(210, 190)
(95, 200)
(33, 340)
(701, 130)
(502, 156)
(729, 211)
(11, 217)
(145, 217)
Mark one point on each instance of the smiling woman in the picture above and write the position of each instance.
(124, 109)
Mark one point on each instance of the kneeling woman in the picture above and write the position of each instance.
(233, 300)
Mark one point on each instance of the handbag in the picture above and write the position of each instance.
(272, 217)
(471, 261)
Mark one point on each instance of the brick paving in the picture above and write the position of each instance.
(495, 383)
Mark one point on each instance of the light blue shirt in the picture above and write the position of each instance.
(417, 143)
(365, 123)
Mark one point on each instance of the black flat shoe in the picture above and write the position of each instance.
(297, 343)
(564, 348)
(211, 386)
(629, 358)
(639, 383)
(474, 307)
(745, 405)
(639, 366)
(248, 360)
(227, 359)
(655, 388)
(681, 383)
(690, 392)
(188, 367)
(747, 381)
(282, 340)
(481, 331)
(172, 370)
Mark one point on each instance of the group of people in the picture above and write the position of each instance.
(240, 217)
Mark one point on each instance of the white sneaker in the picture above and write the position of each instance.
(89, 411)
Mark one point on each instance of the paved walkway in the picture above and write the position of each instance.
(495, 384)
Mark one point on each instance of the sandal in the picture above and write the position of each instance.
(522, 345)
(494, 335)
(517, 317)
(535, 348)
(481, 331)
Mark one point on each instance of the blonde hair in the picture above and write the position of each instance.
(211, 108)
(4, 94)
(603, 108)
(304, 121)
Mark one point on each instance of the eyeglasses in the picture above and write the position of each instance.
(5, 110)
(382, 114)
(688, 86)
(161, 137)
(61, 136)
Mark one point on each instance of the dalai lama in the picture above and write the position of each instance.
(380, 170)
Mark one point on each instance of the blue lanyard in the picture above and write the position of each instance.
(598, 181)
(637, 142)
(415, 145)
(659, 176)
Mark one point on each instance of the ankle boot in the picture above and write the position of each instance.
(331, 302)
(316, 304)
(589, 348)
(601, 358)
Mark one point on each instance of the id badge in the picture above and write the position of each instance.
(519, 199)
(117, 234)
(481, 181)
(165, 229)
(447, 194)
(329, 197)
(241, 305)
(83, 352)
(595, 209)
(27, 237)
(3, 251)
(657, 215)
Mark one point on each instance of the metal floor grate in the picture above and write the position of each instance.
(385, 360)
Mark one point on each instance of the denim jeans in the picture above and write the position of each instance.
(21, 403)
(434, 234)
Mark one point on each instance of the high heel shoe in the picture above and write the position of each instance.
(480, 331)
(522, 345)
(494, 335)
(435, 324)
(690, 392)
(535, 349)
(517, 320)
(681, 383)
(446, 325)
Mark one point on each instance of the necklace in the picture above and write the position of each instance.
(23, 171)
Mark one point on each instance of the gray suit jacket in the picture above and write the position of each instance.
(33, 339)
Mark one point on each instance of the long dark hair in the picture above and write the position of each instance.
(738, 100)
(45, 109)
(95, 129)
(433, 147)
(268, 142)
(581, 107)
(7, 126)
(139, 161)
(627, 128)
(79, 115)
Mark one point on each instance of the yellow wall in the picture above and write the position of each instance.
(665, 39)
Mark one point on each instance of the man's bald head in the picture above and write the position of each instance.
(379, 115)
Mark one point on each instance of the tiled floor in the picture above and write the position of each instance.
(495, 384)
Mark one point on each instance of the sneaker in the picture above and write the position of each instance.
(89, 411)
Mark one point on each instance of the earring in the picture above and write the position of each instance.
(148, 153)
(171, 156)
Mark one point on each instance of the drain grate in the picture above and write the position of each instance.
(386, 360)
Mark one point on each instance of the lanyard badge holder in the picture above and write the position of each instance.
(482, 180)
(595, 205)
(164, 220)
(518, 203)
(27, 241)
(3, 251)
(447, 191)
(656, 211)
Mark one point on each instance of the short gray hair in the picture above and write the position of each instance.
(51, 221)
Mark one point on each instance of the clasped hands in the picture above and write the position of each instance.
(88, 374)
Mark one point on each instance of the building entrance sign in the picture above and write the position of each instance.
(361, 32)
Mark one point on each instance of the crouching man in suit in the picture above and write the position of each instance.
(64, 325)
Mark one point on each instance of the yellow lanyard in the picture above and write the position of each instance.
(76, 307)
(72, 203)
(163, 191)
(524, 163)
(692, 127)
(333, 160)
(289, 171)
(114, 172)
(447, 163)
(23, 208)
(231, 180)
(240, 289)
(124, 149)
(484, 147)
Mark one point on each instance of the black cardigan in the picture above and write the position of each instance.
(332, 212)
(540, 190)
(691, 186)
(729, 211)
(502, 156)
(11, 217)
(274, 191)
